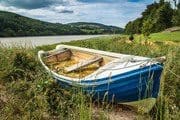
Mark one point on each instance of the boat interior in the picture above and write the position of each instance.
(75, 63)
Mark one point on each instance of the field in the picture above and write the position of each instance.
(162, 37)
(28, 92)
(166, 36)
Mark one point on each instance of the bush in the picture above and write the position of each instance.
(131, 37)
(24, 67)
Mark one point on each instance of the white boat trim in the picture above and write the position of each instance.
(101, 72)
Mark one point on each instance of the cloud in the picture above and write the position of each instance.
(66, 11)
(61, 9)
(110, 12)
(34, 4)
(27, 4)
(113, 1)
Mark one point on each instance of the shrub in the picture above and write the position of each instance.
(131, 37)
(24, 66)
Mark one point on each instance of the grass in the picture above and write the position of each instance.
(28, 92)
(161, 37)
(166, 36)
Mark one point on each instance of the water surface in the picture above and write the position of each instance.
(43, 40)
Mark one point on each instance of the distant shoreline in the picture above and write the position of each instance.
(43, 40)
(57, 35)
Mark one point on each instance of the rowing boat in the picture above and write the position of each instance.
(104, 75)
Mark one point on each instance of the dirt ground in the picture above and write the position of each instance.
(118, 112)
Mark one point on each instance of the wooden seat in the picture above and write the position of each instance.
(60, 55)
(84, 64)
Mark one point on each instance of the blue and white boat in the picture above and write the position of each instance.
(105, 75)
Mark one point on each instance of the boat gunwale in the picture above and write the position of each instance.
(113, 78)
(84, 80)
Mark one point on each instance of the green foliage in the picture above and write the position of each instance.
(12, 24)
(134, 27)
(157, 17)
(97, 28)
(32, 94)
(9, 32)
(147, 27)
(131, 37)
(159, 20)
(168, 104)
(38, 97)
(176, 16)
(24, 67)
(166, 36)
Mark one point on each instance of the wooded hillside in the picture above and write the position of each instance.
(157, 17)
(12, 24)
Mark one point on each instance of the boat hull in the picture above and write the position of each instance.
(139, 80)
(135, 85)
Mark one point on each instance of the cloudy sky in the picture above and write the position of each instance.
(110, 12)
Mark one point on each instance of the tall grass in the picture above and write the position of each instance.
(167, 105)
(32, 94)
(171, 36)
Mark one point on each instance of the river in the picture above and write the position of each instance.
(43, 40)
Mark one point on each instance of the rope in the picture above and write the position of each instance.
(143, 61)
(123, 67)
(171, 72)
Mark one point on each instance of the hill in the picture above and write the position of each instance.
(12, 24)
(96, 28)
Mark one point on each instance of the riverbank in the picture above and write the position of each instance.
(30, 93)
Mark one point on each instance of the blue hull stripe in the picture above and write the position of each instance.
(129, 86)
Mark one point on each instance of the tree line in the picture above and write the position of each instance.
(156, 17)
(12, 25)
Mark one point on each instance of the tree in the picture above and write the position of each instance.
(157, 17)
(176, 16)
(161, 2)
(129, 28)
(147, 27)
(137, 25)
(20, 32)
(8, 32)
(131, 37)
(134, 27)
(164, 17)
(12, 24)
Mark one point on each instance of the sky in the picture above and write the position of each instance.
(109, 12)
